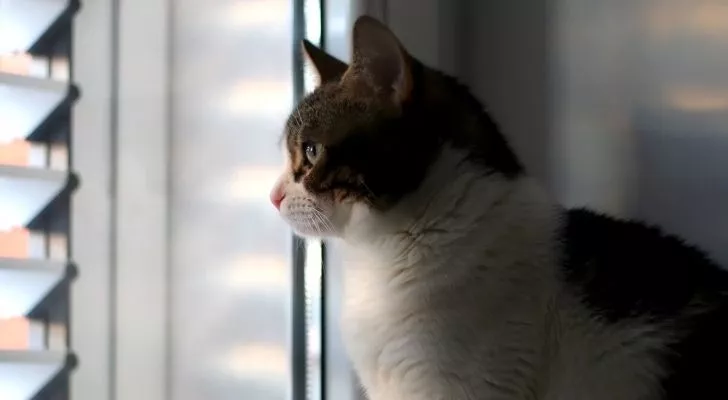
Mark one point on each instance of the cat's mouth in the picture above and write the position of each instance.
(308, 215)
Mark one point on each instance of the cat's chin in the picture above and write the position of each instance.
(314, 234)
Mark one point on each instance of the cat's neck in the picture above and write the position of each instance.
(459, 213)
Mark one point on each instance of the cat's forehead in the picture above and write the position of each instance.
(329, 113)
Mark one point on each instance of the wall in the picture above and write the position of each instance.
(621, 106)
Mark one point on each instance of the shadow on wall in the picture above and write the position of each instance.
(681, 161)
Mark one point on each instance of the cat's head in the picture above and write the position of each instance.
(365, 138)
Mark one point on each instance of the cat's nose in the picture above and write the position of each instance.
(277, 195)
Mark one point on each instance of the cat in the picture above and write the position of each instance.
(465, 279)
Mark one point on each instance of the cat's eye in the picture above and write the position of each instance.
(312, 151)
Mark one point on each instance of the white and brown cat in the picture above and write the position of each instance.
(466, 280)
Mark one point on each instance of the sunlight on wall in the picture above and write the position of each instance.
(258, 361)
(271, 98)
(15, 331)
(14, 243)
(15, 63)
(16, 152)
(255, 13)
(257, 273)
(697, 99)
(708, 18)
(14, 334)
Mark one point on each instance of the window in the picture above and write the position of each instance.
(308, 307)
(36, 96)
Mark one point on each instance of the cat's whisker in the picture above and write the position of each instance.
(323, 220)
(310, 224)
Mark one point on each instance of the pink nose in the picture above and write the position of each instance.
(276, 196)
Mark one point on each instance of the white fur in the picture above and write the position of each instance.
(456, 294)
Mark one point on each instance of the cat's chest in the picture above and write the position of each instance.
(385, 337)
(375, 312)
(401, 336)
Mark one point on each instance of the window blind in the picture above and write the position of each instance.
(36, 181)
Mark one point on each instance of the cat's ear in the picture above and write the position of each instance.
(379, 57)
(328, 67)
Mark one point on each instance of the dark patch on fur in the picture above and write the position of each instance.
(696, 364)
(475, 130)
(386, 151)
(625, 269)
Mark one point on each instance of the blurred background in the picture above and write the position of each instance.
(139, 257)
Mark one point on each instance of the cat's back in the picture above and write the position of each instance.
(627, 273)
